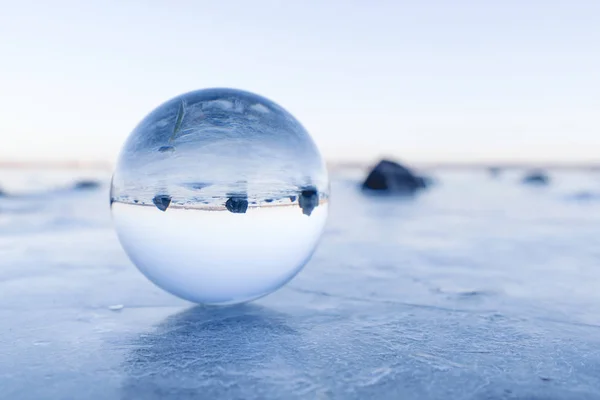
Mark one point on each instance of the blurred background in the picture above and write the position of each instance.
(466, 266)
(431, 82)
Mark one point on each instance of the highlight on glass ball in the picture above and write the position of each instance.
(219, 196)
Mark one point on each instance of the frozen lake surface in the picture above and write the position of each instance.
(479, 288)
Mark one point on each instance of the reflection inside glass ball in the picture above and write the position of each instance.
(219, 196)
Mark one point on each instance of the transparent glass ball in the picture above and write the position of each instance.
(219, 196)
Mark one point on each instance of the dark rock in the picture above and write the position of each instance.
(392, 177)
(237, 202)
(268, 200)
(536, 178)
(164, 149)
(237, 205)
(292, 198)
(162, 201)
(86, 185)
(308, 200)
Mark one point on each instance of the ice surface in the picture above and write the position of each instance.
(476, 289)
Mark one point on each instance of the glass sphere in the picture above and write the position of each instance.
(219, 196)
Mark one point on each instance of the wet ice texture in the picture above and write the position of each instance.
(479, 289)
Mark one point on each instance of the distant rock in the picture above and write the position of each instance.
(86, 185)
(389, 176)
(292, 198)
(308, 200)
(584, 196)
(162, 201)
(536, 177)
(237, 205)
(494, 171)
(268, 200)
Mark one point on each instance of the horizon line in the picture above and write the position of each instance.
(336, 164)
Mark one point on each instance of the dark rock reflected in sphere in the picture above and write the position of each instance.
(237, 205)
(391, 177)
(161, 201)
(219, 161)
(308, 200)
(536, 177)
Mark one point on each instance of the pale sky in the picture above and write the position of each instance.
(515, 80)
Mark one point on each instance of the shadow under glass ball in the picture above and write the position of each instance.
(219, 196)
